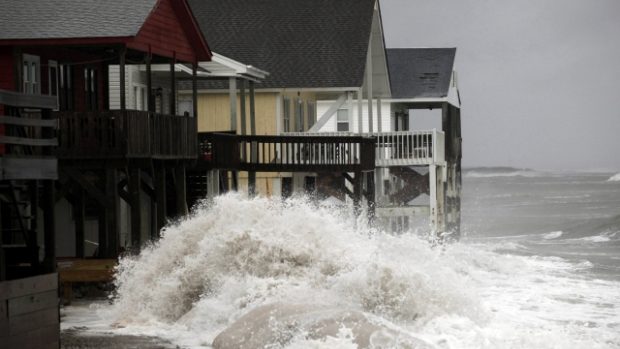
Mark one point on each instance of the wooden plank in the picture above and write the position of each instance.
(31, 321)
(35, 142)
(41, 338)
(28, 168)
(26, 286)
(22, 100)
(12, 120)
(32, 303)
(86, 276)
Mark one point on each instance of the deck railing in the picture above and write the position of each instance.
(27, 136)
(399, 148)
(288, 153)
(126, 134)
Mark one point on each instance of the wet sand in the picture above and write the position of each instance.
(73, 339)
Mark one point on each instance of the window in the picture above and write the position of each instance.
(299, 115)
(90, 88)
(311, 114)
(286, 115)
(139, 94)
(52, 72)
(342, 120)
(65, 93)
(31, 74)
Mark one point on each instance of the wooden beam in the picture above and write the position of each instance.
(12, 120)
(181, 190)
(369, 88)
(160, 190)
(252, 110)
(379, 121)
(35, 142)
(91, 189)
(136, 209)
(22, 100)
(150, 103)
(49, 226)
(195, 88)
(79, 217)
(242, 106)
(232, 95)
(111, 233)
(173, 85)
(122, 85)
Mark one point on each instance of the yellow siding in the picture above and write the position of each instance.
(214, 113)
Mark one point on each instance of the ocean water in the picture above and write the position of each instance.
(538, 266)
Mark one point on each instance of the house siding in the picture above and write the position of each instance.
(331, 125)
(163, 34)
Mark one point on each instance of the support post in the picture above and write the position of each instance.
(181, 190)
(242, 107)
(109, 227)
(195, 89)
(173, 85)
(49, 226)
(232, 91)
(150, 103)
(122, 87)
(379, 121)
(369, 88)
(136, 207)
(360, 119)
(2, 259)
(370, 195)
(252, 110)
(254, 149)
(78, 213)
(160, 190)
(357, 192)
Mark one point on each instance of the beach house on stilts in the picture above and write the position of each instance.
(82, 176)
(313, 51)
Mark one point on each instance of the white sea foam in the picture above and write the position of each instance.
(239, 254)
(552, 235)
(604, 237)
(516, 173)
(614, 178)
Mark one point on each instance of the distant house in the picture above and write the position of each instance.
(314, 51)
(418, 167)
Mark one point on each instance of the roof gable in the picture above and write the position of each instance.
(420, 72)
(170, 30)
(302, 43)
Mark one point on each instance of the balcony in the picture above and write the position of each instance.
(342, 153)
(399, 148)
(129, 134)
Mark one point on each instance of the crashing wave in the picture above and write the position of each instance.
(614, 178)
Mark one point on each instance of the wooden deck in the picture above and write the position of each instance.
(287, 153)
(126, 134)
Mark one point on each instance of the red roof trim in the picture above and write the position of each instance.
(66, 41)
(191, 28)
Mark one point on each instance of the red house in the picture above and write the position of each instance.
(59, 140)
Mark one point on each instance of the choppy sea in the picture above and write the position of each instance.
(538, 266)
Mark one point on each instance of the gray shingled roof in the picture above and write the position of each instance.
(301, 43)
(420, 72)
(45, 19)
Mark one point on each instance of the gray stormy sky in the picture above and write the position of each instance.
(539, 79)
